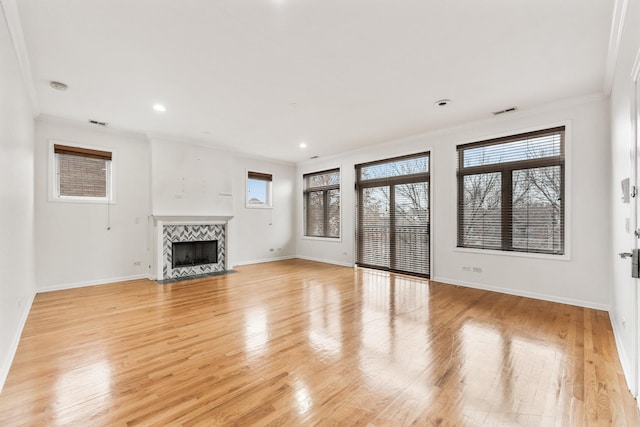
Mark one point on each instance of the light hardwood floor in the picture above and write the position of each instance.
(298, 343)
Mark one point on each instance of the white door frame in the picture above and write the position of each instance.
(635, 212)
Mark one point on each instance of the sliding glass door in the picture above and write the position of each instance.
(392, 214)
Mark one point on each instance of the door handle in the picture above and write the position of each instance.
(635, 261)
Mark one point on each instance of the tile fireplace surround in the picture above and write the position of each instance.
(170, 231)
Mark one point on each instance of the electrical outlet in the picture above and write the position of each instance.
(136, 263)
(477, 270)
(466, 268)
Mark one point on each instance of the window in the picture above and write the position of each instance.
(322, 204)
(82, 173)
(259, 190)
(392, 214)
(511, 193)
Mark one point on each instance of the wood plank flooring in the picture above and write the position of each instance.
(298, 343)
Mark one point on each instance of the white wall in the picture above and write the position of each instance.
(581, 278)
(256, 234)
(73, 244)
(624, 290)
(17, 284)
(190, 180)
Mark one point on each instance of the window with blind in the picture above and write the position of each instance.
(259, 190)
(82, 173)
(392, 214)
(511, 193)
(322, 204)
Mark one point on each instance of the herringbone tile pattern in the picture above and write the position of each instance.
(192, 233)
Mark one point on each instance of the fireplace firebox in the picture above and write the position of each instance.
(188, 254)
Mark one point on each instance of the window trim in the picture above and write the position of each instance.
(305, 211)
(91, 151)
(259, 176)
(564, 163)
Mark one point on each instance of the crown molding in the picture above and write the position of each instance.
(14, 25)
(615, 37)
(635, 71)
(85, 125)
(561, 104)
(200, 142)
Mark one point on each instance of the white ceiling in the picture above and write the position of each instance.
(261, 76)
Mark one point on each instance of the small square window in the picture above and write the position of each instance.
(81, 174)
(259, 190)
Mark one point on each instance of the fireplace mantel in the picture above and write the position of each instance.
(191, 219)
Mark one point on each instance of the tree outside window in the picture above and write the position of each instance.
(511, 193)
(322, 204)
(259, 190)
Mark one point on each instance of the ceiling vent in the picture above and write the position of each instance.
(508, 110)
(95, 122)
(58, 85)
(442, 102)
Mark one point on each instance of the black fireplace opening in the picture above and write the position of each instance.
(188, 254)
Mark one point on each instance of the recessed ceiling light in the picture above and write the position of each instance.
(442, 102)
(303, 145)
(159, 108)
(58, 85)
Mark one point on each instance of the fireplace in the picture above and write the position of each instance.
(189, 254)
(189, 249)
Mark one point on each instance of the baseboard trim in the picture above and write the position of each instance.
(622, 355)
(262, 261)
(517, 292)
(91, 283)
(325, 261)
(6, 364)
